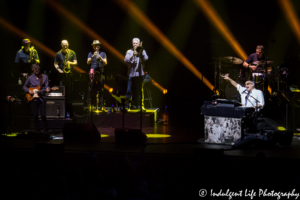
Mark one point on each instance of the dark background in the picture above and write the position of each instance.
(251, 23)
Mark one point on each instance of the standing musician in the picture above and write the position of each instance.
(249, 94)
(98, 61)
(65, 59)
(26, 56)
(38, 104)
(134, 59)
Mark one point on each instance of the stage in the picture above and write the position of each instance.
(175, 149)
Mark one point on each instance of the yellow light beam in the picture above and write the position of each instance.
(291, 16)
(84, 27)
(89, 32)
(108, 88)
(147, 24)
(216, 20)
(158, 86)
(38, 44)
(23, 35)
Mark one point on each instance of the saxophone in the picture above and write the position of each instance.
(31, 54)
(67, 68)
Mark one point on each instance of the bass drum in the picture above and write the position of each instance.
(231, 91)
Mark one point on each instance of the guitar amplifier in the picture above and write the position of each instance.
(56, 107)
(57, 93)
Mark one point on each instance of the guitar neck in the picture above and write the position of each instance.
(43, 90)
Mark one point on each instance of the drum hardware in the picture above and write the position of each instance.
(224, 64)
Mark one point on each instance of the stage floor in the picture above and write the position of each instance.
(166, 137)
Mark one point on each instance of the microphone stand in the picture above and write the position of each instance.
(256, 111)
(140, 55)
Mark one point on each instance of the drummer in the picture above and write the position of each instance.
(256, 66)
(258, 61)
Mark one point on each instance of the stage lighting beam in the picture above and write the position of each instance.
(133, 11)
(217, 21)
(291, 16)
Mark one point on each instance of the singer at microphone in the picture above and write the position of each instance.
(249, 94)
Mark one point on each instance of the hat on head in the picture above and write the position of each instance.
(96, 42)
(26, 41)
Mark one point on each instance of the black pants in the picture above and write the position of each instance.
(36, 106)
(97, 85)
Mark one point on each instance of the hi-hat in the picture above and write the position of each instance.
(229, 60)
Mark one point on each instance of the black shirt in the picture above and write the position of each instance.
(60, 58)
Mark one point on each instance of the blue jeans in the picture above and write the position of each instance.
(134, 89)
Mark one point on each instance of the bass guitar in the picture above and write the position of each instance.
(36, 92)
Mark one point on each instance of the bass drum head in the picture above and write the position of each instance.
(231, 91)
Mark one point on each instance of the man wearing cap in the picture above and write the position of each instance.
(250, 96)
(38, 104)
(26, 56)
(98, 61)
(135, 70)
(65, 58)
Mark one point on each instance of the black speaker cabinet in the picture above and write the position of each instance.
(56, 106)
(130, 136)
(81, 132)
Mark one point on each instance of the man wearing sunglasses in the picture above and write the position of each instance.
(250, 96)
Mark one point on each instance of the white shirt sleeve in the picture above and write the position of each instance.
(240, 89)
(261, 98)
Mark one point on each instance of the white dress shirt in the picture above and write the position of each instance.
(251, 102)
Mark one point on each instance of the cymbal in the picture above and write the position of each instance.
(232, 60)
(229, 60)
(262, 62)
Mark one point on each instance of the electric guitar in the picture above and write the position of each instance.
(36, 92)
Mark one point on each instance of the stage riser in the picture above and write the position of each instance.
(114, 120)
(53, 123)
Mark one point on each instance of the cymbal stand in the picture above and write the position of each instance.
(217, 80)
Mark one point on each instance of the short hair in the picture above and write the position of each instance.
(137, 39)
(65, 40)
(260, 47)
(252, 82)
(34, 67)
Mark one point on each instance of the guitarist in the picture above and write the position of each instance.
(38, 79)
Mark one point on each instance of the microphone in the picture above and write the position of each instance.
(245, 91)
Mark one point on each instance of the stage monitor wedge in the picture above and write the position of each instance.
(130, 136)
(81, 132)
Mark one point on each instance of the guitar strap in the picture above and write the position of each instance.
(41, 82)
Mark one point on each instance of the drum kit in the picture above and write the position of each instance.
(232, 66)
(280, 79)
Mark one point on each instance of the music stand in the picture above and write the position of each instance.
(123, 100)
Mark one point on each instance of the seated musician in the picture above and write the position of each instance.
(249, 95)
